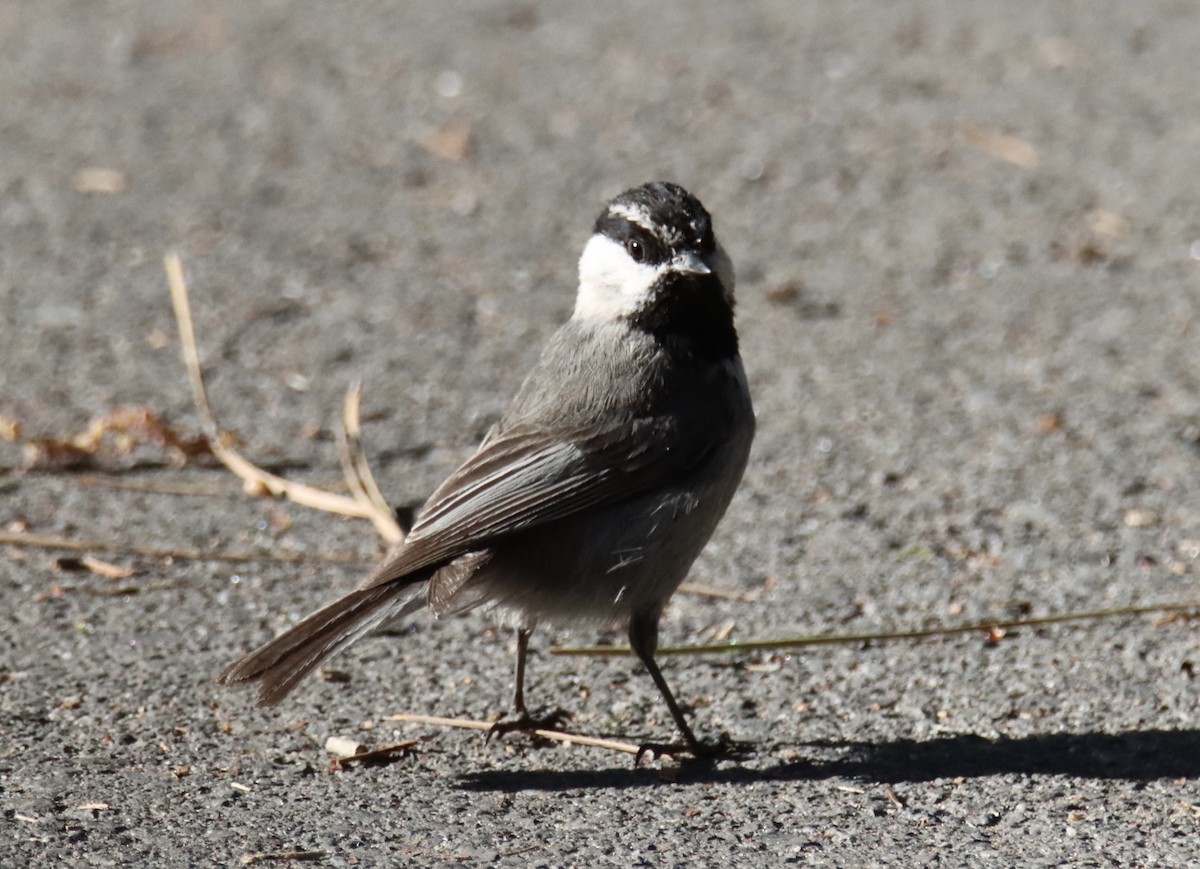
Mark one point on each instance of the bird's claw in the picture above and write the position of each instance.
(526, 723)
(698, 750)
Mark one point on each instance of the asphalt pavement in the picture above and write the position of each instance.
(968, 245)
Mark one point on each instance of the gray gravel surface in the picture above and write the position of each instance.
(968, 239)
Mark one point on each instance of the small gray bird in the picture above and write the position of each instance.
(592, 496)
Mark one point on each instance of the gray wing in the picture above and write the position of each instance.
(522, 477)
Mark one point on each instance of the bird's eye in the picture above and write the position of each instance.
(636, 250)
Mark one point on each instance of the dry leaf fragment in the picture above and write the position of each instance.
(98, 179)
(105, 568)
(1189, 548)
(146, 426)
(772, 665)
(256, 488)
(343, 746)
(791, 294)
(10, 429)
(125, 429)
(1140, 518)
(387, 754)
(50, 454)
(115, 591)
(1058, 52)
(784, 294)
(450, 142)
(1010, 149)
(1109, 224)
(1048, 423)
(1174, 619)
(722, 633)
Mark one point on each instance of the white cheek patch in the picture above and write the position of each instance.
(611, 284)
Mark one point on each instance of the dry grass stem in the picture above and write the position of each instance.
(993, 630)
(357, 470)
(255, 479)
(554, 735)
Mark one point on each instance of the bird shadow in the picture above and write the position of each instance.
(1137, 756)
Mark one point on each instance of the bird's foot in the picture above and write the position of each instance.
(526, 723)
(702, 751)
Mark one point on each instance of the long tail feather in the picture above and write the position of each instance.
(281, 664)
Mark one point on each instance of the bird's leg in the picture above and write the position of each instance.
(523, 635)
(643, 638)
(525, 721)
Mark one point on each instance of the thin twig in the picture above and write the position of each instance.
(255, 478)
(357, 470)
(555, 735)
(923, 633)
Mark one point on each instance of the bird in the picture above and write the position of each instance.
(587, 503)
